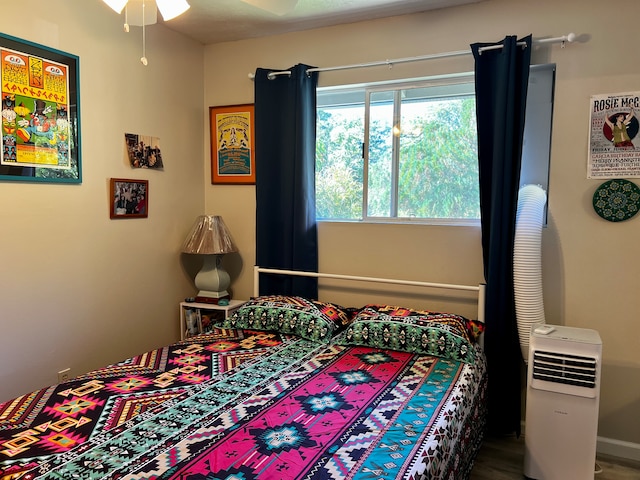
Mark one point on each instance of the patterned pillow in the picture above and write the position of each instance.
(310, 319)
(470, 329)
(429, 333)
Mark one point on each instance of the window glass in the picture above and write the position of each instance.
(339, 162)
(407, 151)
(379, 163)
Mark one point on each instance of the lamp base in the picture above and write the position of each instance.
(212, 281)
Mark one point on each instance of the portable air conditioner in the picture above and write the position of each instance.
(563, 395)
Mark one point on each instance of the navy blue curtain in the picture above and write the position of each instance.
(286, 231)
(501, 79)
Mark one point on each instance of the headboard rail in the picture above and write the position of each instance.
(257, 270)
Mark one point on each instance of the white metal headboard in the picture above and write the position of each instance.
(476, 288)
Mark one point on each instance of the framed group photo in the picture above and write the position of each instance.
(129, 198)
(40, 113)
(232, 144)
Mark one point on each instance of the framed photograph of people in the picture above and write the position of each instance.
(232, 144)
(40, 113)
(129, 198)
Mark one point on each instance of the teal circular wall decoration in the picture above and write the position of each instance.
(617, 200)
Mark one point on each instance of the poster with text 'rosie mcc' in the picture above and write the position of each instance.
(614, 144)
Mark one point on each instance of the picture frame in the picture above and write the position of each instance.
(232, 144)
(193, 322)
(40, 94)
(128, 198)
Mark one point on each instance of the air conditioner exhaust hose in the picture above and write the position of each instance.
(527, 262)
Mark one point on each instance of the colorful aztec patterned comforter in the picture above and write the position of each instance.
(243, 404)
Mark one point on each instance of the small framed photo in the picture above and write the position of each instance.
(129, 198)
(232, 144)
(143, 151)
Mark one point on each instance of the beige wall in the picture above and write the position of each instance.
(80, 290)
(77, 289)
(590, 266)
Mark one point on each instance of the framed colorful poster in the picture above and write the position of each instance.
(128, 198)
(232, 144)
(40, 113)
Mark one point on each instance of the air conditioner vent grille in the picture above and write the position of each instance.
(564, 368)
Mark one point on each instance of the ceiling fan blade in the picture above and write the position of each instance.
(172, 8)
(278, 7)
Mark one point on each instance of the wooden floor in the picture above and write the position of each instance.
(503, 459)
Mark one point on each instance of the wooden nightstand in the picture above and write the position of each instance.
(218, 312)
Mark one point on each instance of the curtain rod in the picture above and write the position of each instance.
(563, 39)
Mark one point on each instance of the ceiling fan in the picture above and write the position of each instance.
(168, 8)
(145, 12)
(172, 8)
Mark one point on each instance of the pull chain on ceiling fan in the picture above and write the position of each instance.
(145, 12)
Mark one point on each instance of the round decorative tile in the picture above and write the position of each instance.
(617, 200)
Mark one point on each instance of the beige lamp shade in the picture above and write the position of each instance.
(209, 235)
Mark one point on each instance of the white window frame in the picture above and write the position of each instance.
(538, 126)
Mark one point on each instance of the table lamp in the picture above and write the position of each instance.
(210, 237)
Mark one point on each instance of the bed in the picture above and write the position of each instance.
(287, 388)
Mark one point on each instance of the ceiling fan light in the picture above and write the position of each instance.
(172, 8)
(116, 5)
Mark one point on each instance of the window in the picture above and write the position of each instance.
(408, 151)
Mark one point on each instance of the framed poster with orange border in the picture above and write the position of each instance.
(232, 144)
